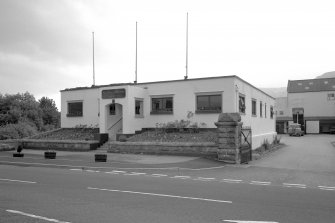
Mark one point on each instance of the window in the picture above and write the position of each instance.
(75, 109)
(253, 107)
(162, 105)
(271, 112)
(112, 109)
(265, 110)
(139, 108)
(241, 104)
(331, 97)
(209, 103)
(281, 112)
(261, 109)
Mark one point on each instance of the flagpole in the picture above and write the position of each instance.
(135, 82)
(186, 76)
(93, 60)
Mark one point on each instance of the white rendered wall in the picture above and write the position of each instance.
(90, 100)
(184, 99)
(281, 104)
(104, 103)
(262, 127)
(312, 127)
(315, 104)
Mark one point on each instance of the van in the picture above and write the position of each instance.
(295, 130)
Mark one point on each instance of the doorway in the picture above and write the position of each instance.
(114, 119)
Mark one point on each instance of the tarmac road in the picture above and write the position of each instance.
(293, 184)
(39, 194)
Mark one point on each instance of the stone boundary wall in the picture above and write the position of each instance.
(164, 148)
(43, 133)
(60, 145)
(7, 147)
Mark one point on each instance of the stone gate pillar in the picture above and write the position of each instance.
(229, 137)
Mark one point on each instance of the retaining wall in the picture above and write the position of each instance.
(61, 145)
(165, 148)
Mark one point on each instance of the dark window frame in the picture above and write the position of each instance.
(139, 108)
(253, 107)
(330, 96)
(74, 112)
(271, 112)
(162, 102)
(241, 104)
(211, 104)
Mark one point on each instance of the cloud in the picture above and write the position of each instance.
(43, 47)
(43, 30)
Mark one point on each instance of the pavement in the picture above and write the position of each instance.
(114, 160)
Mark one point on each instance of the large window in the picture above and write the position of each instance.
(331, 96)
(253, 107)
(209, 103)
(241, 104)
(261, 109)
(74, 109)
(265, 110)
(162, 105)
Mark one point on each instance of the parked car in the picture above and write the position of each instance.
(295, 130)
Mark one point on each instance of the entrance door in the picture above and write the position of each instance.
(113, 119)
(298, 117)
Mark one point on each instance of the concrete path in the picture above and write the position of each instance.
(307, 153)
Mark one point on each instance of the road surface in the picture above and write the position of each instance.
(39, 194)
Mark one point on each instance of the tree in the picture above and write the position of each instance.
(50, 114)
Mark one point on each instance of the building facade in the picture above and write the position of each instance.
(126, 108)
(309, 102)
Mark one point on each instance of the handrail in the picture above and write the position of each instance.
(115, 124)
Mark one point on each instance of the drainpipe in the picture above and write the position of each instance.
(236, 99)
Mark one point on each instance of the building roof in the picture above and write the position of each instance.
(180, 80)
(311, 85)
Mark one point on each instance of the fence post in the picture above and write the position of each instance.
(229, 137)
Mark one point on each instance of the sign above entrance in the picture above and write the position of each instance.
(114, 93)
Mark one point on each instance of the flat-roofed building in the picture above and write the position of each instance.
(126, 108)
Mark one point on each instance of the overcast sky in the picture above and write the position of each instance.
(46, 45)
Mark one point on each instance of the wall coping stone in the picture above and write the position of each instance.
(172, 144)
(50, 141)
(229, 117)
(221, 124)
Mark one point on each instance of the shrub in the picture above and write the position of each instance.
(266, 145)
(17, 131)
(48, 127)
(123, 138)
(276, 139)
